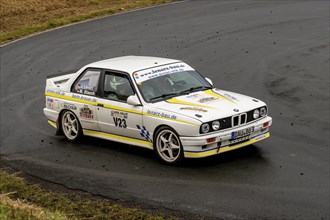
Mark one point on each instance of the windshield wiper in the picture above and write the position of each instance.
(193, 89)
(184, 92)
(169, 95)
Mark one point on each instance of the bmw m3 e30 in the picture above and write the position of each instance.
(160, 104)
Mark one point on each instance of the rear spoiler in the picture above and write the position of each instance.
(58, 81)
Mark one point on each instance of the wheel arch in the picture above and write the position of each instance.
(59, 130)
(159, 130)
(156, 130)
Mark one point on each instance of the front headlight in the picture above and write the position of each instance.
(263, 111)
(256, 114)
(215, 125)
(205, 128)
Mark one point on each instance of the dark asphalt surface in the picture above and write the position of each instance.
(277, 51)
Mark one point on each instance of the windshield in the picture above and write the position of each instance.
(168, 81)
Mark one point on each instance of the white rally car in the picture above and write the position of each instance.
(156, 103)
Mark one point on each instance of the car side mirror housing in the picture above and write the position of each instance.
(209, 81)
(133, 100)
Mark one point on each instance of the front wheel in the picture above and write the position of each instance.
(168, 146)
(70, 126)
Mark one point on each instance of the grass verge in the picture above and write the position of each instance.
(20, 18)
(21, 200)
(17, 209)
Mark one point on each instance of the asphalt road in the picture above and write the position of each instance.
(277, 51)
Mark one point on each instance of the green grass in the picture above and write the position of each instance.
(57, 205)
(52, 23)
(9, 210)
(64, 19)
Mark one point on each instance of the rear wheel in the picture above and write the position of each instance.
(70, 126)
(168, 146)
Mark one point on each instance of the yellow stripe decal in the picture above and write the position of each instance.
(115, 136)
(52, 123)
(224, 149)
(177, 101)
(200, 154)
(66, 97)
(212, 93)
(70, 98)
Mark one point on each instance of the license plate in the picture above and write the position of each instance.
(242, 133)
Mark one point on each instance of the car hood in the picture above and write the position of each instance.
(209, 104)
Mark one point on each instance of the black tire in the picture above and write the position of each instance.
(167, 145)
(70, 126)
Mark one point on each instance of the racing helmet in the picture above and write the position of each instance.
(116, 81)
(120, 84)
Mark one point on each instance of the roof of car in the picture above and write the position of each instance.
(131, 64)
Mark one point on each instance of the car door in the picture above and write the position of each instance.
(115, 115)
(85, 96)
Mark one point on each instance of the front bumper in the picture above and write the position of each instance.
(219, 142)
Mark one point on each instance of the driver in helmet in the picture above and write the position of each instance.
(122, 87)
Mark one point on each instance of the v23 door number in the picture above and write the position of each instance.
(119, 119)
(120, 122)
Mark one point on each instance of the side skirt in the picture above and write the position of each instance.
(112, 137)
(118, 138)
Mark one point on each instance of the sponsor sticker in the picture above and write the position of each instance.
(202, 98)
(119, 114)
(207, 99)
(87, 92)
(162, 115)
(194, 96)
(230, 97)
(193, 109)
(52, 103)
(69, 106)
(56, 91)
(144, 75)
(86, 112)
(84, 98)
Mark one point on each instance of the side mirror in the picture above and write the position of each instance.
(209, 81)
(133, 100)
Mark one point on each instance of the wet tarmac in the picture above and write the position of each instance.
(277, 51)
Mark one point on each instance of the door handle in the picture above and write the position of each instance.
(100, 105)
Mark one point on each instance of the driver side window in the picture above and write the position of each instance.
(117, 87)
